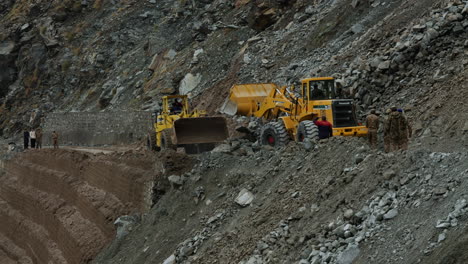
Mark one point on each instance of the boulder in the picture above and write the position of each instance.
(170, 260)
(223, 148)
(348, 256)
(176, 180)
(189, 83)
(244, 198)
(391, 214)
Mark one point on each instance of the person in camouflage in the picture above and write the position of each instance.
(386, 138)
(397, 130)
(372, 124)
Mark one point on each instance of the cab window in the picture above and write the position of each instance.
(322, 90)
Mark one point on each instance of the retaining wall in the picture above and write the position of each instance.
(97, 128)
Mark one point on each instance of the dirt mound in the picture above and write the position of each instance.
(66, 201)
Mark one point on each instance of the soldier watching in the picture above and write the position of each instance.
(372, 124)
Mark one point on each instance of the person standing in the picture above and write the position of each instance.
(26, 139)
(325, 128)
(32, 136)
(397, 130)
(372, 124)
(38, 138)
(55, 139)
(386, 138)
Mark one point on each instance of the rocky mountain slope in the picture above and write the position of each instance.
(104, 55)
(336, 203)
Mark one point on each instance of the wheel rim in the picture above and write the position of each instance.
(271, 140)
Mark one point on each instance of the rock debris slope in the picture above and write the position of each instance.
(336, 203)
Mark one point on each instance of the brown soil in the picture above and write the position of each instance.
(60, 205)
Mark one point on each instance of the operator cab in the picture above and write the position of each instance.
(319, 88)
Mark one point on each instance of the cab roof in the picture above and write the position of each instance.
(317, 79)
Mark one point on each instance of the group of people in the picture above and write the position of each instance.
(33, 139)
(397, 130)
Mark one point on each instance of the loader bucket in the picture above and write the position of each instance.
(245, 98)
(198, 130)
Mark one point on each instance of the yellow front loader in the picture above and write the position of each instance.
(291, 115)
(177, 126)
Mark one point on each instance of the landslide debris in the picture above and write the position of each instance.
(337, 203)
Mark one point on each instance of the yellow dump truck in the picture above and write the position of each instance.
(175, 125)
(291, 114)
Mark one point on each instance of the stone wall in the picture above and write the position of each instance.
(97, 128)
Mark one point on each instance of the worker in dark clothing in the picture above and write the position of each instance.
(325, 128)
(26, 139)
(176, 107)
(372, 124)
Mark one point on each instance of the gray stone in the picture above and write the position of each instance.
(223, 148)
(308, 144)
(357, 28)
(440, 190)
(176, 180)
(348, 214)
(244, 198)
(124, 225)
(254, 260)
(460, 204)
(431, 34)
(189, 83)
(384, 65)
(348, 256)
(6, 47)
(441, 224)
(419, 28)
(389, 174)
(458, 28)
(170, 260)
(391, 214)
(441, 237)
(358, 158)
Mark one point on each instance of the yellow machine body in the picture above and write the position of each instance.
(185, 127)
(272, 102)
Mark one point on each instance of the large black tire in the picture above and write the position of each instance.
(307, 130)
(151, 141)
(166, 140)
(274, 134)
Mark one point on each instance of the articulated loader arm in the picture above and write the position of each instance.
(261, 100)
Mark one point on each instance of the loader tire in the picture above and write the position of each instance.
(307, 130)
(274, 134)
(151, 141)
(166, 140)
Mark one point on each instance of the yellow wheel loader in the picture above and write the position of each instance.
(177, 126)
(291, 114)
